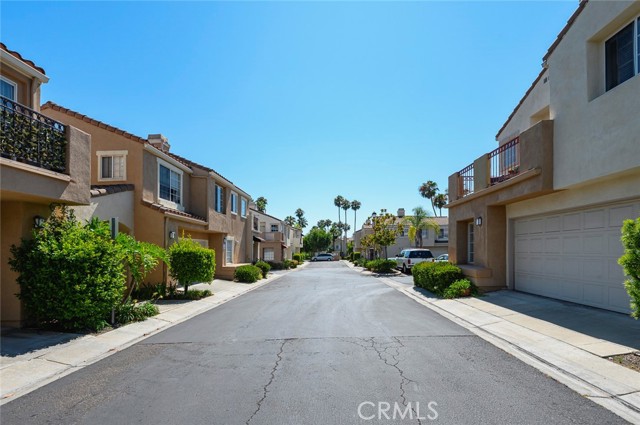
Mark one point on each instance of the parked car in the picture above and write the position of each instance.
(322, 257)
(412, 256)
(443, 257)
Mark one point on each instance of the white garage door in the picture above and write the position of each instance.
(573, 255)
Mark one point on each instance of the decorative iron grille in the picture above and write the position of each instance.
(466, 181)
(505, 161)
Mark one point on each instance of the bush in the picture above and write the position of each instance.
(247, 274)
(381, 266)
(360, 262)
(194, 294)
(299, 258)
(264, 267)
(460, 288)
(190, 262)
(630, 262)
(355, 256)
(70, 275)
(278, 266)
(132, 312)
(435, 277)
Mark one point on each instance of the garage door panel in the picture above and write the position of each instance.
(573, 255)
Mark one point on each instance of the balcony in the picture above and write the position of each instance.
(522, 158)
(29, 137)
(273, 236)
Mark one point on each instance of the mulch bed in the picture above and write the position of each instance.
(631, 360)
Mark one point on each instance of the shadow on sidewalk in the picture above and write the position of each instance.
(16, 342)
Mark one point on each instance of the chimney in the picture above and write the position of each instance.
(160, 142)
(400, 212)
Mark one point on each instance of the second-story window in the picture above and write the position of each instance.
(112, 165)
(274, 227)
(243, 207)
(255, 223)
(234, 203)
(622, 55)
(220, 199)
(170, 184)
(8, 89)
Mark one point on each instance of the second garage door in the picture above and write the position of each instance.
(573, 255)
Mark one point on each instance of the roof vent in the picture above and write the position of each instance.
(158, 141)
(400, 212)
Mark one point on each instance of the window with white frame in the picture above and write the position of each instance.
(220, 199)
(470, 244)
(443, 234)
(169, 184)
(228, 247)
(275, 228)
(243, 207)
(112, 165)
(268, 254)
(622, 55)
(234, 203)
(8, 89)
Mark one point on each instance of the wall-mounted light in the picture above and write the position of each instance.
(479, 221)
(38, 221)
(172, 235)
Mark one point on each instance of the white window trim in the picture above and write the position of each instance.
(636, 50)
(165, 202)
(222, 203)
(246, 206)
(11, 83)
(101, 154)
(226, 250)
(233, 204)
(471, 246)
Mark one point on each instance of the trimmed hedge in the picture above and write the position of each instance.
(460, 288)
(355, 256)
(191, 263)
(381, 266)
(435, 277)
(264, 267)
(247, 274)
(298, 257)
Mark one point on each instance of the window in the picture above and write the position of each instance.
(234, 203)
(268, 254)
(170, 183)
(9, 89)
(470, 247)
(263, 226)
(112, 165)
(228, 248)
(444, 233)
(255, 223)
(220, 199)
(243, 207)
(622, 55)
(275, 227)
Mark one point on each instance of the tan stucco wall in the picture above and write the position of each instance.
(105, 207)
(24, 83)
(16, 222)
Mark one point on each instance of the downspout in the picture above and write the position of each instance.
(164, 265)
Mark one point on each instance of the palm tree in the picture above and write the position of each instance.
(290, 220)
(261, 204)
(302, 222)
(355, 206)
(338, 203)
(429, 190)
(440, 200)
(346, 204)
(417, 222)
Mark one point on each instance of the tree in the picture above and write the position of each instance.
(335, 231)
(385, 231)
(345, 206)
(317, 240)
(323, 224)
(355, 206)
(261, 204)
(440, 200)
(302, 221)
(190, 262)
(338, 200)
(290, 220)
(630, 262)
(429, 190)
(140, 258)
(419, 221)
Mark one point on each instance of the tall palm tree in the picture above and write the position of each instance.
(346, 204)
(290, 220)
(417, 222)
(261, 204)
(338, 203)
(355, 206)
(429, 190)
(440, 200)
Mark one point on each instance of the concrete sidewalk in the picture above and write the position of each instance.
(568, 342)
(31, 359)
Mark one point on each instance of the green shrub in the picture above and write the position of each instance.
(460, 288)
(299, 258)
(191, 263)
(132, 312)
(247, 274)
(154, 291)
(381, 265)
(435, 277)
(361, 262)
(264, 267)
(355, 256)
(194, 294)
(277, 265)
(630, 262)
(70, 275)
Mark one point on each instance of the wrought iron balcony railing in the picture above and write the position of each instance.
(30, 137)
(466, 181)
(505, 161)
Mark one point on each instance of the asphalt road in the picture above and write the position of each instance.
(310, 348)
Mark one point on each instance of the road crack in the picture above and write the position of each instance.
(265, 389)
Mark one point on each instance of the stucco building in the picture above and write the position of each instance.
(542, 212)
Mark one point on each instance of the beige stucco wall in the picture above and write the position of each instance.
(24, 84)
(593, 127)
(105, 207)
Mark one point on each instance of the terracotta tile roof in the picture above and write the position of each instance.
(102, 190)
(551, 49)
(19, 56)
(165, 209)
(99, 124)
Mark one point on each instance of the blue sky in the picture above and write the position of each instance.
(298, 101)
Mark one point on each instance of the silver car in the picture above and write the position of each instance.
(322, 257)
